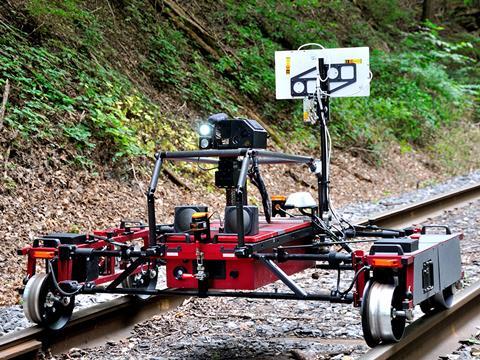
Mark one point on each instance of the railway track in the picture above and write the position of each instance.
(94, 325)
(114, 319)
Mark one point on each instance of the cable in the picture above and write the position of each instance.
(205, 169)
(289, 214)
(319, 95)
(57, 286)
(322, 48)
(343, 293)
(349, 242)
(311, 44)
(334, 213)
(322, 226)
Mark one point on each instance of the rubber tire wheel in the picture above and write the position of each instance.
(53, 317)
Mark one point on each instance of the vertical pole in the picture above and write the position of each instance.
(240, 198)
(323, 114)
(152, 224)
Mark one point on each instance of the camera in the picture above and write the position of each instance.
(221, 132)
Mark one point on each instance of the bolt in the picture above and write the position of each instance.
(153, 273)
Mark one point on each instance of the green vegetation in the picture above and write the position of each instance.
(414, 93)
(108, 81)
(62, 94)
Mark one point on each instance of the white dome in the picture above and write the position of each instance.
(301, 200)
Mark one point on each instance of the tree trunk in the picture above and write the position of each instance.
(427, 10)
(4, 103)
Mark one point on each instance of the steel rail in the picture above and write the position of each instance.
(420, 211)
(93, 325)
(110, 320)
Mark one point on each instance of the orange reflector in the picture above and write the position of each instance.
(199, 215)
(393, 263)
(44, 254)
(279, 198)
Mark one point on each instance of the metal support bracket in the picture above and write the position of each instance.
(283, 277)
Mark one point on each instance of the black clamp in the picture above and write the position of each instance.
(281, 254)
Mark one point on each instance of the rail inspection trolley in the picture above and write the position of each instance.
(245, 251)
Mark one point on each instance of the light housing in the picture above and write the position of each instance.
(205, 130)
(204, 143)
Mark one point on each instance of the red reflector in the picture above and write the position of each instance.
(393, 263)
(187, 276)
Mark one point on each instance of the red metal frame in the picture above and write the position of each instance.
(240, 273)
(252, 274)
(65, 267)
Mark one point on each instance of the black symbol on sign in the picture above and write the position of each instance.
(343, 74)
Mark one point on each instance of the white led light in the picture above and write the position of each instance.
(204, 143)
(205, 130)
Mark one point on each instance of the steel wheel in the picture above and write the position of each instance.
(144, 280)
(379, 322)
(441, 301)
(444, 299)
(42, 304)
(427, 306)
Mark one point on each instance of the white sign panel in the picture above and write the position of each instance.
(296, 72)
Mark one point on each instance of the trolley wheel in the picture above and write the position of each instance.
(443, 300)
(427, 306)
(144, 280)
(379, 323)
(44, 305)
(438, 302)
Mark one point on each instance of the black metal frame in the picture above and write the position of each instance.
(325, 295)
(208, 156)
(260, 156)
